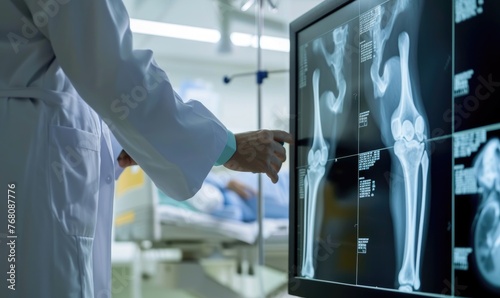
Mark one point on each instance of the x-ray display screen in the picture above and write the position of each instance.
(396, 164)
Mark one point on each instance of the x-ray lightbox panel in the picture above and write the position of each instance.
(330, 235)
(328, 91)
(477, 66)
(419, 79)
(391, 176)
(436, 242)
(477, 211)
(382, 222)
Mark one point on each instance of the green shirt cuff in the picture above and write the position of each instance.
(228, 151)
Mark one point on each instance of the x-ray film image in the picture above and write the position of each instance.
(477, 67)
(329, 252)
(394, 103)
(407, 254)
(328, 106)
(405, 71)
(328, 100)
(477, 211)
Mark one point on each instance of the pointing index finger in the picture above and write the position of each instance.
(282, 136)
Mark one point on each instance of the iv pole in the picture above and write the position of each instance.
(261, 75)
(260, 78)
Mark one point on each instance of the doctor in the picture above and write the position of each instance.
(67, 73)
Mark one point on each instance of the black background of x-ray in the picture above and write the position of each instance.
(466, 207)
(378, 266)
(477, 47)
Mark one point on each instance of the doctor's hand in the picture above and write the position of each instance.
(260, 152)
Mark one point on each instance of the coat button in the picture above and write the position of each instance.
(108, 179)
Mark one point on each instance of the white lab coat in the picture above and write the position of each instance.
(56, 150)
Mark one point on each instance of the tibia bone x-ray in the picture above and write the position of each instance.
(406, 135)
(396, 177)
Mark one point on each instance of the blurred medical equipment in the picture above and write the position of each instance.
(145, 215)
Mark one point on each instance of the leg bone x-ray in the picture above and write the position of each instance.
(407, 133)
(321, 151)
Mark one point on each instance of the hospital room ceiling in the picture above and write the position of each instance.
(224, 16)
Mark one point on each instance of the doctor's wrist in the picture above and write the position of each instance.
(228, 151)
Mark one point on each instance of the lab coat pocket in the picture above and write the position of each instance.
(74, 179)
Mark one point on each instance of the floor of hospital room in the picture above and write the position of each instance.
(209, 278)
(248, 285)
(154, 293)
(223, 272)
(150, 290)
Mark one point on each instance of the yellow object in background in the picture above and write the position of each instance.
(125, 218)
(132, 177)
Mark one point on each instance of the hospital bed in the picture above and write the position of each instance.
(143, 214)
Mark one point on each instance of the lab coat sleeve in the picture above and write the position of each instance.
(176, 143)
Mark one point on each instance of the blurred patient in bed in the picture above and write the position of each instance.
(234, 196)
